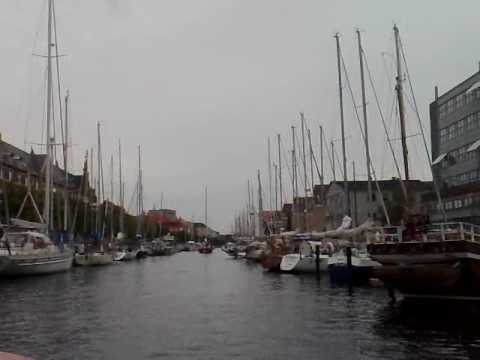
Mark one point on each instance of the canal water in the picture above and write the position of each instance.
(193, 306)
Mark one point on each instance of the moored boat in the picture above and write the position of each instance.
(93, 259)
(443, 261)
(359, 269)
(305, 261)
(32, 253)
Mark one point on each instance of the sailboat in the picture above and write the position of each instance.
(422, 260)
(26, 247)
(101, 257)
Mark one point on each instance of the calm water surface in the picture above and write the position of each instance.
(193, 306)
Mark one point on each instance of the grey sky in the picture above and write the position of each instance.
(202, 84)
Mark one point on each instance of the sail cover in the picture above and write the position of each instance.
(439, 159)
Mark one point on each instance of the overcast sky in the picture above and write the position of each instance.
(202, 84)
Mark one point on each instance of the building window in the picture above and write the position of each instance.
(452, 131)
(459, 101)
(460, 127)
(457, 204)
(468, 201)
(450, 106)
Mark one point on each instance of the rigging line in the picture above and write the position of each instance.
(58, 81)
(402, 185)
(437, 190)
(364, 139)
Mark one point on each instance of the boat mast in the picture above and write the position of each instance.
(120, 187)
(111, 198)
(294, 174)
(99, 188)
(333, 160)
(280, 172)
(270, 176)
(401, 103)
(321, 155)
(206, 210)
(260, 204)
(139, 194)
(365, 124)
(65, 154)
(46, 207)
(342, 124)
(309, 136)
(305, 187)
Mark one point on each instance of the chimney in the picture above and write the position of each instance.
(436, 93)
(479, 66)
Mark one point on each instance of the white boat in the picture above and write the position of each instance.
(305, 260)
(93, 259)
(32, 253)
(130, 255)
(119, 255)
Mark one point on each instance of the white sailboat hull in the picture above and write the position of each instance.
(94, 259)
(303, 264)
(25, 265)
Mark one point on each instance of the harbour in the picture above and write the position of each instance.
(195, 306)
(204, 202)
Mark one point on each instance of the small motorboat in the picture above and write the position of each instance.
(205, 247)
(93, 259)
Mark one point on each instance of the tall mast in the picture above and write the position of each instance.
(139, 194)
(65, 155)
(365, 124)
(311, 157)
(100, 193)
(333, 160)
(260, 204)
(46, 208)
(111, 198)
(322, 178)
(342, 123)
(294, 176)
(280, 172)
(276, 186)
(120, 187)
(270, 198)
(206, 208)
(401, 104)
(305, 187)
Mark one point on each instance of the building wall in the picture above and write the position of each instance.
(455, 124)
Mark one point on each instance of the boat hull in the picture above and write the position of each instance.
(359, 272)
(35, 265)
(295, 263)
(272, 262)
(95, 259)
(440, 269)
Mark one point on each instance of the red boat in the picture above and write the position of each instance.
(8, 356)
(277, 248)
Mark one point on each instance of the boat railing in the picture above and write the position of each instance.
(446, 231)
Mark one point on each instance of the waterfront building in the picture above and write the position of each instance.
(23, 168)
(360, 206)
(455, 137)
